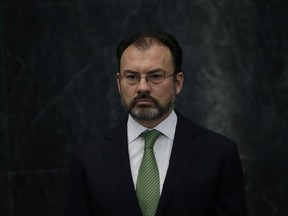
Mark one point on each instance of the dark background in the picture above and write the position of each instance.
(57, 87)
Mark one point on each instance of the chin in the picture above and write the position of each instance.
(145, 114)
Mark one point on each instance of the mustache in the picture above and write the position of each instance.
(144, 96)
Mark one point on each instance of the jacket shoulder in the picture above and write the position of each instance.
(94, 143)
(188, 128)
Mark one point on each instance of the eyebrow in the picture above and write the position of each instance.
(149, 72)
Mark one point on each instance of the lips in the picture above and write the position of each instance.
(144, 102)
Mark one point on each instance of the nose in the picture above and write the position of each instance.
(143, 85)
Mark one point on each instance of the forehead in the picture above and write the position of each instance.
(155, 56)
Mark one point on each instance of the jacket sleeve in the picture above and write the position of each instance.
(77, 201)
(231, 195)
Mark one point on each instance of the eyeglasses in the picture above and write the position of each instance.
(132, 78)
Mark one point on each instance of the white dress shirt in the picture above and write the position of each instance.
(162, 146)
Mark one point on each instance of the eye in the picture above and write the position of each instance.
(132, 77)
(156, 76)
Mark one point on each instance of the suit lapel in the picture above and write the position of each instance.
(117, 158)
(184, 152)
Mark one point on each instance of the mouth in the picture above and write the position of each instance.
(145, 102)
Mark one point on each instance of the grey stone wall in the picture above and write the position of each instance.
(57, 87)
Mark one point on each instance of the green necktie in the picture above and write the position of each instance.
(148, 184)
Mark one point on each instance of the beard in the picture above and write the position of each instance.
(148, 113)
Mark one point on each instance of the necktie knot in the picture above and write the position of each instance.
(150, 137)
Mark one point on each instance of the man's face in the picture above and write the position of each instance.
(144, 100)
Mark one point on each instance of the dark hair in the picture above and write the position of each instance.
(146, 40)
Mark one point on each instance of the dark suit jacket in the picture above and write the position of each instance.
(204, 176)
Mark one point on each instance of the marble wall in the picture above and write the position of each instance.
(57, 87)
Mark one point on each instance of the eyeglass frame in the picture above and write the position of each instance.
(146, 77)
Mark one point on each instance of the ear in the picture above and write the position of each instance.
(179, 80)
(118, 77)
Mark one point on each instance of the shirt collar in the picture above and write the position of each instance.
(166, 127)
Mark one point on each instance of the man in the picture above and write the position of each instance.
(188, 170)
